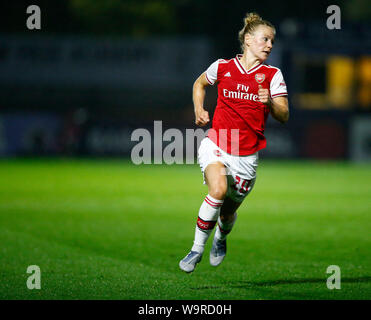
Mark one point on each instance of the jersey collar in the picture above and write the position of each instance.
(242, 69)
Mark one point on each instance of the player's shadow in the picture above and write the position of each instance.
(270, 283)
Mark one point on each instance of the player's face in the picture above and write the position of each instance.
(260, 43)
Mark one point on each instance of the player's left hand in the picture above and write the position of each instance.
(264, 96)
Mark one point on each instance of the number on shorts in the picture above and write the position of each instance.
(242, 188)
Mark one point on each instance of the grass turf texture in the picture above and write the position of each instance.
(107, 229)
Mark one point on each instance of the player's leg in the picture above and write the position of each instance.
(226, 220)
(238, 189)
(215, 178)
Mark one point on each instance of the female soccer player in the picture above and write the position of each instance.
(248, 91)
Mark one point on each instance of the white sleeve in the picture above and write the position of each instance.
(278, 85)
(212, 72)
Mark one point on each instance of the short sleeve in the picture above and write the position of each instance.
(278, 86)
(212, 72)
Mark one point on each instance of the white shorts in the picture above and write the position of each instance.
(241, 170)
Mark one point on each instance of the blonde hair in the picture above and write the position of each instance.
(251, 21)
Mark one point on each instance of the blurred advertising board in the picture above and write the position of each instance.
(106, 62)
(29, 134)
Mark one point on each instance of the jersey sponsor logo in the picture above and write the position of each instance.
(228, 74)
(283, 84)
(239, 95)
(259, 77)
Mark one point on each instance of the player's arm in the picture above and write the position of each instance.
(279, 108)
(199, 91)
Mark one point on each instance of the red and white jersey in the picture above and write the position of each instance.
(238, 106)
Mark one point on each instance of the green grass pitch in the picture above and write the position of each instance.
(107, 229)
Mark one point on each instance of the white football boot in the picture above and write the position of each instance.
(189, 262)
(218, 252)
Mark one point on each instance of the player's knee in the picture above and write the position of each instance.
(218, 191)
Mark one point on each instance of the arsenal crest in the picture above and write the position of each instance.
(259, 77)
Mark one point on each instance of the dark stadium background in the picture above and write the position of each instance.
(99, 69)
(100, 227)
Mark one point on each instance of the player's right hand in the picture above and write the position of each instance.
(202, 118)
